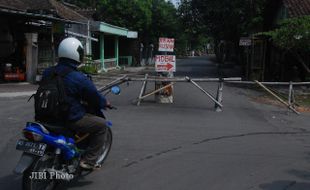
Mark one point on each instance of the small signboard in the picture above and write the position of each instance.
(166, 44)
(245, 41)
(165, 63)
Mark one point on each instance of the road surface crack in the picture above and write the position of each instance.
(148, 157)
(157, 154)
(248, 134)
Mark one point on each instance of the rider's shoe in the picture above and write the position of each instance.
(86, 165)
(97, 167)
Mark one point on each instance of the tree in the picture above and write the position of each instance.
(293, 35)
(193, 34)
(164, 20)
(151, 18)
(135, 15)
(228, 20)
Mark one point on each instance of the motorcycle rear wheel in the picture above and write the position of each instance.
(37, 167)
(106, 147)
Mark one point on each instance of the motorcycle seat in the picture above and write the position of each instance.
(59, 129)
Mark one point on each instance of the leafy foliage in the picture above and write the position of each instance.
(89, 67)
(131, 14)
(164, 20)
(292, 34)
(230, 19)
(151, 18)
(193, 36)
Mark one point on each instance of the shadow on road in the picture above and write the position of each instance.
(285, 185)
(290, 184)
(14, 182)
(305, 175)
(76, 183)
(11, 182)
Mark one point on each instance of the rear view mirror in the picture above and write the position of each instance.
(116, 90)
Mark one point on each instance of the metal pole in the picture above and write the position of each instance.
(219, 96)
(182, 79)
(142, 89)
(88, 40)
(207, 93)
(290, 93)
(293, 96)
(113, 83)
(116, 47)
(102, 66)
(277, 97)
(264, 83)
(247, 62)
(155, 91)
(141, 54)
(53, 45)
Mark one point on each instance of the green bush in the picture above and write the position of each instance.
(89, 69)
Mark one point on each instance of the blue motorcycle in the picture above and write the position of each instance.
(52, 153)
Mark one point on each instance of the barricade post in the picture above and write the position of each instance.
(143, 88)
(219, 96)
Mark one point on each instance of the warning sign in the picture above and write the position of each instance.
(166, 44)
(244, 41)
(165, 63)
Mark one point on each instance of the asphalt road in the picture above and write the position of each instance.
(185, 145)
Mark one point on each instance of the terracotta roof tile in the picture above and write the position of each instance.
(12, 4)
(61, 10)
(297, 8)
(67, 13)
(88, 13)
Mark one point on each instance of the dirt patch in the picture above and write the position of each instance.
(302, 102)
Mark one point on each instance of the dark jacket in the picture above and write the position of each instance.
(78, 88)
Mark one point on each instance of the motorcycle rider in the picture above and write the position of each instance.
(78, 88)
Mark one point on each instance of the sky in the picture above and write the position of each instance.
(175, 1)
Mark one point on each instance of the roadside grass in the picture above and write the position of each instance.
(302, 102)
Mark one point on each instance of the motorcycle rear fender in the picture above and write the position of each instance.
(24, 163)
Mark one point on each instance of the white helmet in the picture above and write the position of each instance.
(71, 48)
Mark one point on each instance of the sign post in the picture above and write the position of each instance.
(166, 45)
(246, 42)
(165, 65)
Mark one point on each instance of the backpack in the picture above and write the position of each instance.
(50, 99)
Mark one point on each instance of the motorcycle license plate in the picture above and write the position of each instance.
(35, 148)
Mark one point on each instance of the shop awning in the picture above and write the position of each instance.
(81, 35)
(113, 30)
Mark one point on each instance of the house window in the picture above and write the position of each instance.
(283, 13)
